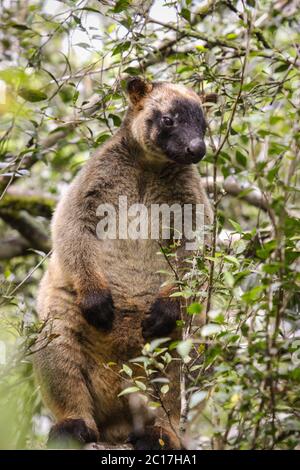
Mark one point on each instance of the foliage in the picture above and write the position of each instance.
(61, 96)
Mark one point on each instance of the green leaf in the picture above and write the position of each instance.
(122, 47)
(141, 385)
(154, 404)
(102, 138)
(253, 294)
(229, 279)
(157, 342)
(231, 36)
(121, 5)
(210, 329)
(186, 14)
(241, 158)
(20, 26)
(83, 45)
(132, 71)
(184, 347)
(201, 48)
(128, 390)
(116, 119)
(236, 226)
(282, 68)
(195, 308)
(32, 95)
(164, 389)
(232, 260)
(76, 19)
(127, 370)
(233, 131)
(75, 97)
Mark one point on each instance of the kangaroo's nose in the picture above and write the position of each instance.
(196, 149)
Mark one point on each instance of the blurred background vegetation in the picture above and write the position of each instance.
(62, 68)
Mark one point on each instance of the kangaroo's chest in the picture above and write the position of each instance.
(143, 215)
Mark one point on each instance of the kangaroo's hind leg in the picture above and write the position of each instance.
(163, 433)
(60, 367)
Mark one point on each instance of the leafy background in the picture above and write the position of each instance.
(62, 73)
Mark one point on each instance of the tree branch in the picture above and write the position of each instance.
(12, 247)
(28, 227)
(233, 187)
(34, 203)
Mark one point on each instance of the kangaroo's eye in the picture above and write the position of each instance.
(167, 121)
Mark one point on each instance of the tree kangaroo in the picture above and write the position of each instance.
(102, 298)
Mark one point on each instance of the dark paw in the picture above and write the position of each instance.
(70, 433)
(153, 438)
(98, 309)
(161, 320)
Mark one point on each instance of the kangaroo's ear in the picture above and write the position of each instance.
(209, 98)
(137, 89)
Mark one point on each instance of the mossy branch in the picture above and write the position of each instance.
(34, 203)
(232, 187)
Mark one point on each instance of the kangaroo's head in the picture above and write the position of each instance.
(166, 120)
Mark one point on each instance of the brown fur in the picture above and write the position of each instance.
(86, 275)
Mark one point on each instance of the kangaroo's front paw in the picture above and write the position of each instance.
(154, 438)
(70, 433)
(98, 309)
(162, 317)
